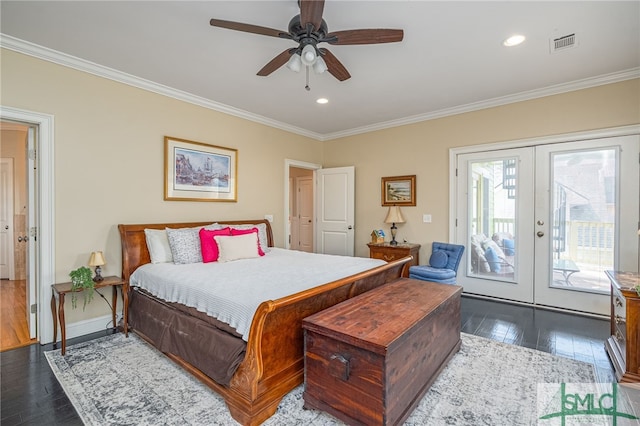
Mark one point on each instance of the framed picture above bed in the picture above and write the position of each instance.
(399, 191)
(196, 171)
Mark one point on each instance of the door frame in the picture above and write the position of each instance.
(547, 140)
(287, 223)
(45, 223)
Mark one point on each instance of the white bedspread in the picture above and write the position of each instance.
(232, 291)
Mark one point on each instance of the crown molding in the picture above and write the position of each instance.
(44, 53)
(490, 103)
(50, 55)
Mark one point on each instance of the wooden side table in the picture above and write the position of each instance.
(388, 253)
(63, 288)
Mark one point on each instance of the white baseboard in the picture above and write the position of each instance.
(81, 328)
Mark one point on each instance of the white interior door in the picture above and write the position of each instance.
(6, 219)
(495, 215)
(586, 220)
(305, 213)
(335, 211)
(32, 252)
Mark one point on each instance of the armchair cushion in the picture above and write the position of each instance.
(509, 247)
(429, 273)
(438, 259)
(493, 259)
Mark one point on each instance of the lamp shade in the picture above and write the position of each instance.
(294, 63)
(394, 215)
(308, 56)
(97, 259)
(320, 66)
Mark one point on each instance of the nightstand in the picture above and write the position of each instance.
(388, 252)
(63, 288)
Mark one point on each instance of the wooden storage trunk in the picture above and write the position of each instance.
(371, 359)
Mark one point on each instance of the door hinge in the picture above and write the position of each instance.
(33, 232)
(456, 172)
(34, 308)
(32, 154)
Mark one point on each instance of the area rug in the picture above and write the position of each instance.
(116, 381)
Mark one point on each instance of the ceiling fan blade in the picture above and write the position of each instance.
(334, 66)
(311, 13)
(276, 63)
(248, 28)
(366, 36)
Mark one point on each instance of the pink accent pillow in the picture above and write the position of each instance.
(235, 231)
(208, 245)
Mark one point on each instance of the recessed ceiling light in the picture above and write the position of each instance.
(513, 40)
(322, 100)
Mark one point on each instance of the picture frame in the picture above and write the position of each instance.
(399, 190)
(196, 171)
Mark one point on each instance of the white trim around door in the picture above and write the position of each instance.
(45, 225)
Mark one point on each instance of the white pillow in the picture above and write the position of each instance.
(262, 232)
(237, 247)
(158, 245)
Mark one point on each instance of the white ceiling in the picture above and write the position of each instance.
(451, 59)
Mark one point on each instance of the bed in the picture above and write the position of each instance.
(272, 362)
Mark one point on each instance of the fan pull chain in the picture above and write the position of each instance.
(307, 86)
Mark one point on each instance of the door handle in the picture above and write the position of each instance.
(6, 227)
(19, 239)
(349, 227)
(540, 234)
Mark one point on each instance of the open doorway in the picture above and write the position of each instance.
(14, 284)
(301, 209)
(299, 177)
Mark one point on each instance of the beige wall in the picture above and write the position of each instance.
(423, 149)
(109, 159)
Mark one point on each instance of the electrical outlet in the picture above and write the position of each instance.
(269, 217)
(426, 218)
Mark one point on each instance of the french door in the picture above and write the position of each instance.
(541, 224)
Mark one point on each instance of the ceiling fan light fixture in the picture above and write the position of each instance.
(320, 66)
(294, 63)
(309, 55)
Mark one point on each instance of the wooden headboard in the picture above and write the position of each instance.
(134, 243)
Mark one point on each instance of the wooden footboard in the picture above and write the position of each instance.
(274, 362)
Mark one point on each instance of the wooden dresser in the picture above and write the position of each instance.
(371, 359)
(623, 346)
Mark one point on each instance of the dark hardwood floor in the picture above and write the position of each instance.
(31, 395)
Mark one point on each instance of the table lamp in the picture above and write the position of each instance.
(97, 260)
(394, 215)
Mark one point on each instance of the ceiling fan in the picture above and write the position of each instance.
(308, 29)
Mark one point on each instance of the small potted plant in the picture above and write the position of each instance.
(81, 280)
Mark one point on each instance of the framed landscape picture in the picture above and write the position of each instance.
(196, 171)
(399, 191)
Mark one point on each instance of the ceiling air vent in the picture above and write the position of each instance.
(563, 43)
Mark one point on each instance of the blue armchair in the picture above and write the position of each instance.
(443, 264)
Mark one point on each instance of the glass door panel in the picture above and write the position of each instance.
(491, 241)
(494, 223)
(584, 218)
